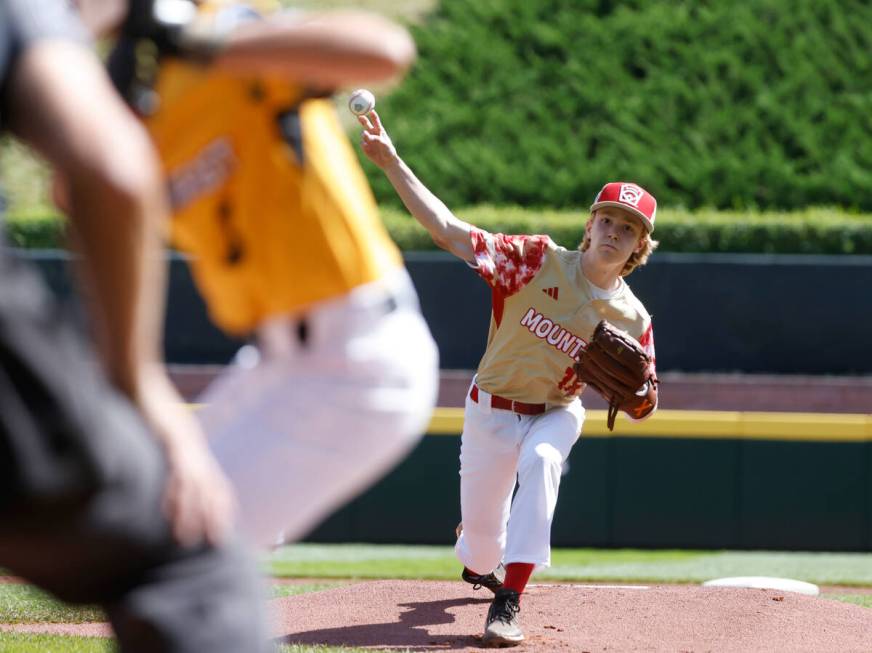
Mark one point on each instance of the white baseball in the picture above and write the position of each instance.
(361, 102)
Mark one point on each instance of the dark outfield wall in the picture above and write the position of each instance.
(649, 493)
(777, 314)
(774, 314)
(189, 337)
(717, 312)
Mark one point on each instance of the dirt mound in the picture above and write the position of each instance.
(433, 616)
(425, 616)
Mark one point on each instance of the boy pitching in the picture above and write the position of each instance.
(523, 412)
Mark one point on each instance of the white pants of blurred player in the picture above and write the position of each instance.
(499, 447)
(303, 423)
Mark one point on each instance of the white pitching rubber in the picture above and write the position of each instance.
(766, 583)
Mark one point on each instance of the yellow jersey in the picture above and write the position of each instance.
(268, 196)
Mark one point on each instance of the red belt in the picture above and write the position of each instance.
(509, 404)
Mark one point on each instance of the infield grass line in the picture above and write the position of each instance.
(35, 643)
(365, 561)
(864, 600)
(281, 591)
(21, 603)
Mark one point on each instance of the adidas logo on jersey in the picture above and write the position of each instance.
(551, 292)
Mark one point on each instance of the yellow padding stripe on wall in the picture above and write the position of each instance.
(707, 425)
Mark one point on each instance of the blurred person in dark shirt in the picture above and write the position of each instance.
(108, 493)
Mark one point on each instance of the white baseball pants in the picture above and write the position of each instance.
(499, 447)
(301, 427)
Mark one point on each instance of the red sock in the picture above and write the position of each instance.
(517, 575)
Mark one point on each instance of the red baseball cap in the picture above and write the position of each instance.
(630, 197)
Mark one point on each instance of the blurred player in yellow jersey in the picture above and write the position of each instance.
(286, 244)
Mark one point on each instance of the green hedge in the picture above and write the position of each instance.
(764, 105)
(816, 231)
(34, 230)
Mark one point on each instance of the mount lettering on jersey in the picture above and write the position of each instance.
(553, 333)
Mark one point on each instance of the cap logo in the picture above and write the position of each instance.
(631, 194)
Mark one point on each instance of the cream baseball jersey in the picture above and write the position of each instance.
(544, 311)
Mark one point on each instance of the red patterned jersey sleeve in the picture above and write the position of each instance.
(508, 263)
(647, 342)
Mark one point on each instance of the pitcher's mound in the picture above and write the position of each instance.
(432, 616)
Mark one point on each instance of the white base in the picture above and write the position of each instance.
(766, 582)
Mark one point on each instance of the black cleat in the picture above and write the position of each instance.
(501, 628)
(492, 581)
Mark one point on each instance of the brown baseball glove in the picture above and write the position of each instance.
(618, 368)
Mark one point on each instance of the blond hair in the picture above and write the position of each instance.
(637, 259)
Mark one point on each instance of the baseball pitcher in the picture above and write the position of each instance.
(523, 411)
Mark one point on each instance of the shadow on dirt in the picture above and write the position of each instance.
(409, 631)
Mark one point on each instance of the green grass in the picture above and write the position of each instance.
(864, 600)
(624, 565)
(33, 643)
(28, 643)
(279, 591)
(363, 561)
(853, 569)
(27, 604)
(299, 648)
